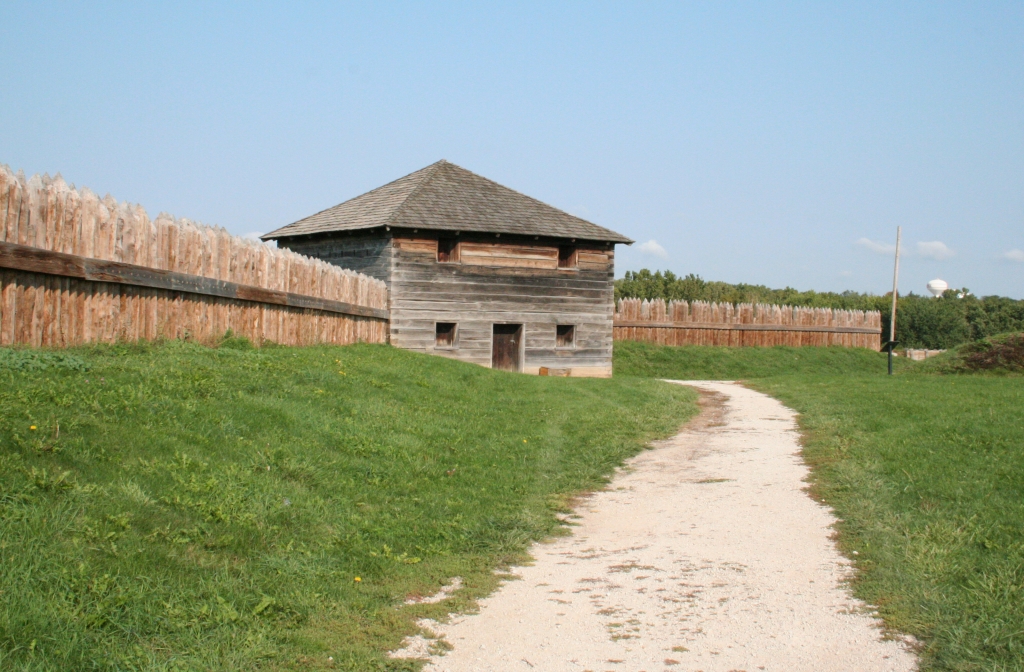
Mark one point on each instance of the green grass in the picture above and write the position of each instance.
(176, 507)
(695, 362)
(926, 473)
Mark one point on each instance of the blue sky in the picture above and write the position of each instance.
(773, 143)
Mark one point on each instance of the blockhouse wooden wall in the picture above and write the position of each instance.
(369, 254)
(510, 280)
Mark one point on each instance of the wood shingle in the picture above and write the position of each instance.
(445, 197)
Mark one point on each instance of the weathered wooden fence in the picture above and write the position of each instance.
(703, 323)
(75, 268)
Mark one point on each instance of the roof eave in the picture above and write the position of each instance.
(282, 233)
(614, 238)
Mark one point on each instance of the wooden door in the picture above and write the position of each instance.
(506, 345)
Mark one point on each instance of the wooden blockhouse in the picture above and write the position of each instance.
(476, 271)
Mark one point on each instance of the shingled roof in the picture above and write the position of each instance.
(445, 197)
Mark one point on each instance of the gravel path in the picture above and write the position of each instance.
(705, 553)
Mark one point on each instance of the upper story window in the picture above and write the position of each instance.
(567, 256)
(447, 250)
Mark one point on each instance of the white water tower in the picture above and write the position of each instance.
(937, 287)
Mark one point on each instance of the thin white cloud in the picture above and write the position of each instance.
(1014, 255)
(935, 249)
(878, 248)
(653, 248)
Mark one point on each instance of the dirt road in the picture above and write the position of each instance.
(705, 553)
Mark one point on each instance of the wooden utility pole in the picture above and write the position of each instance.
(895, 292)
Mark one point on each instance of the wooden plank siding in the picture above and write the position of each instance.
(508, 256)
(495, 280)
(512, 282)
(362, 253)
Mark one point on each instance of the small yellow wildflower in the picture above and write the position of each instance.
(33, 428)
(524, 440)
(358, 579)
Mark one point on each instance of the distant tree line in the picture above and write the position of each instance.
(922, 322)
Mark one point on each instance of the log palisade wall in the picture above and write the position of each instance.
(75, 268)
(496, 280)
(745, 324)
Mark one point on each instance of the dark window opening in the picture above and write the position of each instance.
(565, 336)
(447, 250)
(445, 333)
(567, 256)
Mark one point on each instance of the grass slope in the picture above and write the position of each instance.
(926, 473)
(1002, 354)
(173, 507)
(697, 362)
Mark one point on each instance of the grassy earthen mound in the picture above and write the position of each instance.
(998, 353)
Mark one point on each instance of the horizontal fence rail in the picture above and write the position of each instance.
(745, 324)
(75, 268)
(32, 259)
